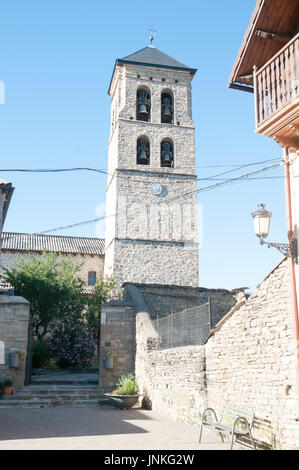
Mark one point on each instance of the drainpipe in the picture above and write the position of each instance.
(291, 261)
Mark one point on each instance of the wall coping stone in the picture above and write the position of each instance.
(13, 299)
(117, 303)
(225, 318)
(242, 302)
(272, 271)
(190, 288)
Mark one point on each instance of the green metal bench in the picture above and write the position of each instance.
(233, 421)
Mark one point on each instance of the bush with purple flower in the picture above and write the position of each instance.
(72, 346)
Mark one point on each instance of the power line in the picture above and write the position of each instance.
(105, 170)
(206, 188)
(112, 174)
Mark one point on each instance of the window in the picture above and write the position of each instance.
(167, 155)
(143, 105)
(166, 108)
(92, 277)
(143, 151)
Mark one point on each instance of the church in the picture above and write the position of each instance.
(151, 225)
(151, 198)
(151, 238)
(151, 209)
(151, 245)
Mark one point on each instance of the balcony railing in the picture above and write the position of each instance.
(276, 84)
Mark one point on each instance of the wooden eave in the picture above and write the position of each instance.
(7, 189)
(273, 16)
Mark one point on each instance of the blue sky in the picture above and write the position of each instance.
(56, 60)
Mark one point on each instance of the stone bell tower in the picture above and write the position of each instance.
(151, 224)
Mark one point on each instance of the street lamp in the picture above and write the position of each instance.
(261, 220)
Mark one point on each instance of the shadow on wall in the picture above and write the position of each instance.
(261, 429)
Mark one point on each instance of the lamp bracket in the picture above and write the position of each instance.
(287, 249)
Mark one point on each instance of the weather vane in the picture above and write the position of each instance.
(153, 33)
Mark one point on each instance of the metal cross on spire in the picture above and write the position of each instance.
(153, 33)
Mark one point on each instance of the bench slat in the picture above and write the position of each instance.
(227, 423)
(233, 413)
(225, 429)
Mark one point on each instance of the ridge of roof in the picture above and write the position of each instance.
(55, 243)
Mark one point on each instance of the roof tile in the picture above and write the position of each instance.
(56, 243)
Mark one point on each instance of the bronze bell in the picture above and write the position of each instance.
(142, 109)
(142, 152)
(166, 157)
(142, 155)
(166, 153)
(166, 111)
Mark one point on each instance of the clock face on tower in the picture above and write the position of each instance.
(156, 189)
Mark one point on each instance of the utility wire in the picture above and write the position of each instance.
(205, 188)
(120, 175)
(105, 170)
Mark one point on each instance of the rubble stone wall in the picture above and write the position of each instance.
(14, 321)
(248, 361)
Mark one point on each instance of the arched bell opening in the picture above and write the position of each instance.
(143, 105)
(167, 153)
(143, 151)
(167, 107)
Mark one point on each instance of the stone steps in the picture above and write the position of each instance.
(64, 382)
(50, 395)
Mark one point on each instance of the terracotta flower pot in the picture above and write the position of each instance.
(8, 390)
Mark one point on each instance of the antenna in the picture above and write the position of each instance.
(153, 33)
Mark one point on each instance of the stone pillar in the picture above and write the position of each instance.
(14, 322)
(117, 335)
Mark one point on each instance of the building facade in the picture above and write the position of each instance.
(151, 228)
(268, 66)
(87, 253)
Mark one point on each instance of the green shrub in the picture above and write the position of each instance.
(51, 364)
(7, 382)
(41, 353)
(127, 385)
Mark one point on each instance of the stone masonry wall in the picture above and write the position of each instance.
(248, 361)
(142, 261)
(14, 320)
(118, 335)
(88, 262)
(162, 299)
(147, 240)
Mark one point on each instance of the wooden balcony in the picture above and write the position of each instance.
(276, 88)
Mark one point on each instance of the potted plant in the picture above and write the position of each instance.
(109, 358)
(7, 386)
(126, 393)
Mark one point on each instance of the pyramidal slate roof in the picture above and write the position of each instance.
(150, 56)
(56, 243)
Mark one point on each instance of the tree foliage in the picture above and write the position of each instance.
(105, 289)
(52, 287)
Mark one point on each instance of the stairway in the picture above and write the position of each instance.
(66, 389)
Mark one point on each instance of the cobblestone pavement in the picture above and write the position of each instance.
(103, 428)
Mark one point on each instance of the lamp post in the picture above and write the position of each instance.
(261, 220)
